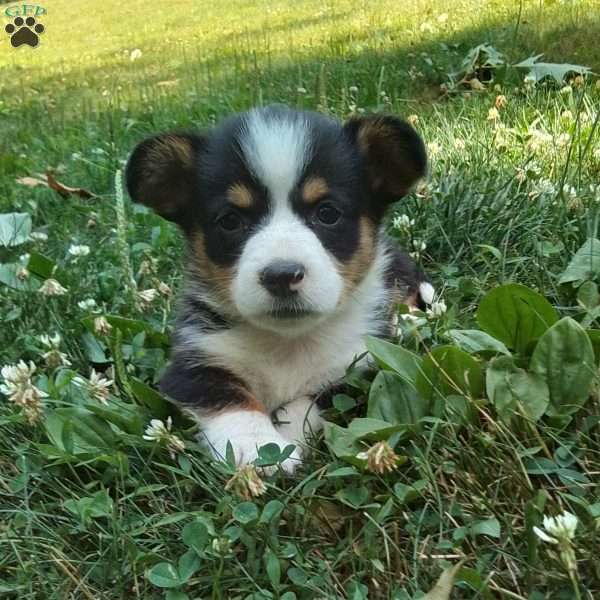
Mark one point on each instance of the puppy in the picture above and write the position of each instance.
(288, 268)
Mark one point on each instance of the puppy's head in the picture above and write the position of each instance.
(280, 208)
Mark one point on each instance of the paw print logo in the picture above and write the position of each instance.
(24, 32)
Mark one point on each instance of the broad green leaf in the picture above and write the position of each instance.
(245, 512)
(94, 349)
(271, 511)
(557, 71)
(342, 442)
(513, 390)
(587, 295)
(89, 433)
(408, 493)
(195, 535)
(42, 266)
(187, 565)
(372, 429)
(474, 341)
(564, 358)
(395, 358)
(14, 228)
(150, 398)
(354, 496)
(489, 527)
(343, 402)
(98, 505)
(164, 575)
(273, 567)
(394, 400)
(515, 315)
(448, 370)
(585, 265)
(9, 277)
(176, 595)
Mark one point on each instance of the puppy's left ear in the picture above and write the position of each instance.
(393, 151)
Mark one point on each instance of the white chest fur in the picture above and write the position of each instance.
(280, 369)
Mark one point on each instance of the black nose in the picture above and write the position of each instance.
(280, 277)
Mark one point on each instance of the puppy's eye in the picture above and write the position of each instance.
(230, 222)
(328, 214)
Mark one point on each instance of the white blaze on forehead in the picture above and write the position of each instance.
(276, 147)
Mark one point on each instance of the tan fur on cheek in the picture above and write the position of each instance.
(219, 280)
(314, 189)
(356, 268)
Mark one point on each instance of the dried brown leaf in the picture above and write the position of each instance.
(50, 181)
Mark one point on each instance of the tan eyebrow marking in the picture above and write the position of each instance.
(239, 195)
(314, 189)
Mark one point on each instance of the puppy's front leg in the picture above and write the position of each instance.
(299, 420)
(226, 410)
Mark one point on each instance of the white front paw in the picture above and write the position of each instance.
(247, 431)
(246, 449)
(299, 420)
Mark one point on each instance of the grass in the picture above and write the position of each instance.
(90, 509)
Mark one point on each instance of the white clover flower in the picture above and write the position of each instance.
(566, 115)
(521, 175)
(52, 341)
(413, 120)
(77, 251)
(353, 89)
(459, 144)
(87, 304)
(38, 236)
(543, 187)
(558, 528)
(539, 140)
(529, 82)
(164, 289)
(433, 148)
(51, 287)
(102, 326)
(97, 385)
(135, 55)
(380, 458)
(493, 114)
(20, 390)
(419, 245)
(146, 297)
(563, 140)
(160, 433)
(500, 101)
(246, 482)
(301, 90)
(402, 223)
(437, 309)
(566, 90)
(54, 357)
(17, 374)
(22, 273)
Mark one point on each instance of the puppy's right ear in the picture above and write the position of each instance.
(161, 173)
